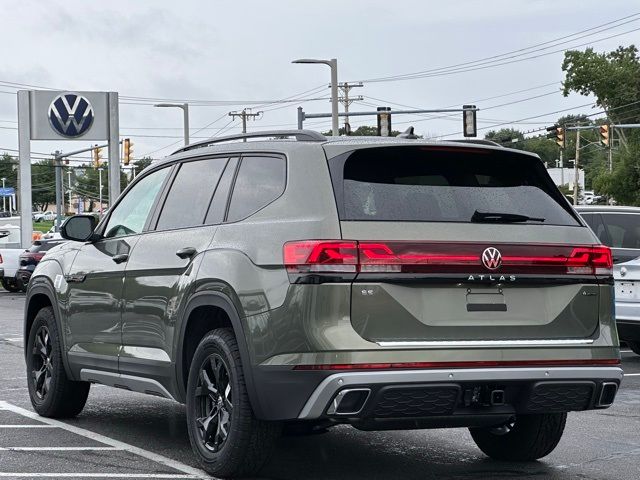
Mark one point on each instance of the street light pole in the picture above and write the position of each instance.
(4, 205)
(185, 113)
(333, 64)
(69, 177)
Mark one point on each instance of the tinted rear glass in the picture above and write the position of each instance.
(624, 229)
(444, 184)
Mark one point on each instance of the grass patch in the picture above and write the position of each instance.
(43, 226)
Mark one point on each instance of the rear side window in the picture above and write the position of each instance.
(595, 222)
(444, 184)
(188, 199)
(624, 229)
(260, 181)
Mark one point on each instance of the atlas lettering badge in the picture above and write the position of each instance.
(70, 115)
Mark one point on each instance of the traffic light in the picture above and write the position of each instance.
(97, 156)
(556, 132)
(469, 122)
(604, 134)
(128, 151)
(560, 139)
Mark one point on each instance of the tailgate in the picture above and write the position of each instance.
(465, 243)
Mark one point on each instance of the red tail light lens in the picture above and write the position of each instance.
(326, 256)
(317, 256)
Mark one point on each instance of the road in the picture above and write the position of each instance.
(122, 434)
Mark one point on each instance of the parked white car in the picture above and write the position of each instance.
(47, 216)
(10, 250)
(627, 279)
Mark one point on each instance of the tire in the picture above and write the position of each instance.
(10, 285)
(249, 442)
(635, 347)
(52, 393)
(528, 438)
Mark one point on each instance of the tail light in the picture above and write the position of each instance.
(352, 257)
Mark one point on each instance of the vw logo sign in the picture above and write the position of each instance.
(491, 258)
(70, 115)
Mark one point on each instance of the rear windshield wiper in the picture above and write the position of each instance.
(500, 217)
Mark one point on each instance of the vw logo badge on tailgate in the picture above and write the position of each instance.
(491, 258)
(70, 115)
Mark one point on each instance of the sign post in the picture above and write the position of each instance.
(52, 115)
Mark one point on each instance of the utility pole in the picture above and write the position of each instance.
(244, 114)
(59, 192)
(100, 187)
(346, 101)
(69, 178)
(575, 169)
(561, 167)
(4, 208)
(610, 152)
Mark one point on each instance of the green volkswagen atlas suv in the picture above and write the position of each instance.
(285, 281)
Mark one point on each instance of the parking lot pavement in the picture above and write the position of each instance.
(122, 434)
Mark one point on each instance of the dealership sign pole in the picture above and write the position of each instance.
(51, 115)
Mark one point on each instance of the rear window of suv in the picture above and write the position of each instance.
(444, 184)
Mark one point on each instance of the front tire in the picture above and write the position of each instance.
(52, 393)
(528, 438)
(225, 436)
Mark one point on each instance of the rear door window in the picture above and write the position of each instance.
(623, 228)
(260, 180)
(190, 194)
(444, 184)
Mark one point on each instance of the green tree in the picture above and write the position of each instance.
(141, 164)
(614, 79)
(43, 184)
(362, 131)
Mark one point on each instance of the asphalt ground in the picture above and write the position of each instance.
(124, 435)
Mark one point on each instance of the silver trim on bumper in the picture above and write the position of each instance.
(490, 343)
(327, 389)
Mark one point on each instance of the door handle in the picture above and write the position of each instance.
(186, 252)
(123, 257)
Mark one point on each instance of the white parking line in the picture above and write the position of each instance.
(154, 457)
(631, 374)
(27, 426)
(57, 449)
(96, 475)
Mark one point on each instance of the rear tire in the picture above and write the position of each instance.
(10, 285)
(225, 435)
(52, 393)
(528, 438)
(635, 347)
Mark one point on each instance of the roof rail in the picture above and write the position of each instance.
(478, 141)
(299, 135)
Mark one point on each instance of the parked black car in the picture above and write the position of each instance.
(31, 257)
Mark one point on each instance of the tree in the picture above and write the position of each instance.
(362, 131)
(88, 185)
(43, 184)
(141, 164)
(613, 78)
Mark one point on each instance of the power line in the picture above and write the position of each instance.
(496, 59)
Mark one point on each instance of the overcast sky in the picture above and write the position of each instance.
(241, 51)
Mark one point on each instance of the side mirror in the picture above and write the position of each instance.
(78, 228)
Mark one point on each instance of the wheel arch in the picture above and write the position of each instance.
(41, 294)
(220, 301)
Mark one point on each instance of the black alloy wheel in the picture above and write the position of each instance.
(42, 363)
(214, 403)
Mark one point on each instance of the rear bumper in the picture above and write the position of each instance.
(459, 397)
